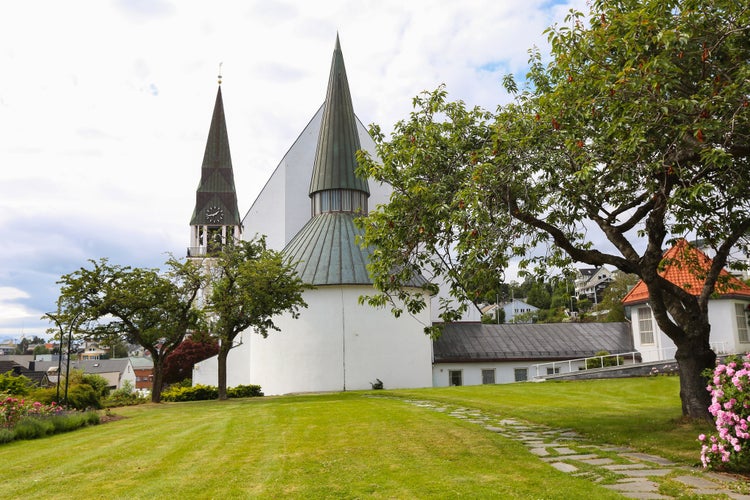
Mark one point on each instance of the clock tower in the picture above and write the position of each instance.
(216, 218)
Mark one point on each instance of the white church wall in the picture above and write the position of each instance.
(338, 344)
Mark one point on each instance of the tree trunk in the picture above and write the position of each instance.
(158, 380)
(694, 356)
(222, 360)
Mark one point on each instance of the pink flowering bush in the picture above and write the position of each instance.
(730, 405)
(13, 409)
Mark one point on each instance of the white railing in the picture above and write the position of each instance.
(581, 363)
(656, 354)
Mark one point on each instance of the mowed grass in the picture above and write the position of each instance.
(345, 445)
(644, 413)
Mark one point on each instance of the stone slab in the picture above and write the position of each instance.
(597, 461)
(645, 472)
(648, 458)
(563, 467)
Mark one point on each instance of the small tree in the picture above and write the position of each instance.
(142, 306)
(250, 284)
(180, 362)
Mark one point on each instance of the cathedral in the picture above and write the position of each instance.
(307, 209)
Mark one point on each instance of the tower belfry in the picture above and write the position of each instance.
(216, 218)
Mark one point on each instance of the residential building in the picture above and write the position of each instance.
(590, 283)
(728, 309)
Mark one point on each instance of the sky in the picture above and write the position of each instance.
(105, 107)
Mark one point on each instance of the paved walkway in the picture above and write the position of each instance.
(634, 475)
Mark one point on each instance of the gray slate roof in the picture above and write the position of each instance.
(89, 365)
(462, 342)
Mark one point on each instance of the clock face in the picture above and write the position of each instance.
(214, 214)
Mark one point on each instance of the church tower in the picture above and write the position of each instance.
(216, 218)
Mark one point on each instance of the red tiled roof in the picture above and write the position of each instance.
(684, 265)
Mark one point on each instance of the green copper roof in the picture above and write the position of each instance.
(326, 252)
(216, 193)
(338, 142)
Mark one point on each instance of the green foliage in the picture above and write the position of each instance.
(33, 428)
(635, 128)
(205, 392)
(613, 295)
(244, 391)
(6, 435)
(83, 397)
(15, 385)
(605, 359)
(195, 393)
(124, 396)
(44, 395)
(98, 383)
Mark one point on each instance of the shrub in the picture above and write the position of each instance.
(6, 436)
(82, 397)
(244, 391)
(205, 392)
(730, 405)
(98, 383)
(195, 393)
(15, 385)
(125, 396)
(33, 428)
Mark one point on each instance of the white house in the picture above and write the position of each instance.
(474, 353)
(728, 310)
(590, 282)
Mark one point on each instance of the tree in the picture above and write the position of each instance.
(613, 295)
(250, 284)
(634, 134)
(142, 306)
(179, 364)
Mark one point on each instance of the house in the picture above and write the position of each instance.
(115, 371)
(590, 282)
(7, 348)
(38, 378)
(144, 372)
(728, 309)
(518, 311)
(92, 350)
(475, 353)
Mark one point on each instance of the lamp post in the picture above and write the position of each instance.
(54, 318)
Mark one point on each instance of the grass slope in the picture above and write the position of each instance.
(347, 445)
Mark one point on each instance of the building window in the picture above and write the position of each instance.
(454, 377)
(553, 371)
(488, 376)
(645, 325)
(742, 322)
(521, 374)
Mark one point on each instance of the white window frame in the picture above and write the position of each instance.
(460, 378)
(646, 326)
(743, 328)
(488, 371)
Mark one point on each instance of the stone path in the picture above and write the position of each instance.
(634, 475)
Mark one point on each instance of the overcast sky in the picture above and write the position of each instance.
(105, 108)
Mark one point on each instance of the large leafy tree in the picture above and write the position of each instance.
(633, 133)
(141, 306)
(179, 364)
(250, 284)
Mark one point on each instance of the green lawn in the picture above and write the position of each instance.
(347, 445)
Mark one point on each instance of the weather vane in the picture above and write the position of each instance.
(220, 72)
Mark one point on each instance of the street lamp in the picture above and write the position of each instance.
(54, 318)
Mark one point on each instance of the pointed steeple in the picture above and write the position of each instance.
(216, 218)
(216, 198)
(338, 142)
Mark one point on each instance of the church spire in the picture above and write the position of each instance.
(338, 142)
(216, 217)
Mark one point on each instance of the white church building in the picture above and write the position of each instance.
(307, 208)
